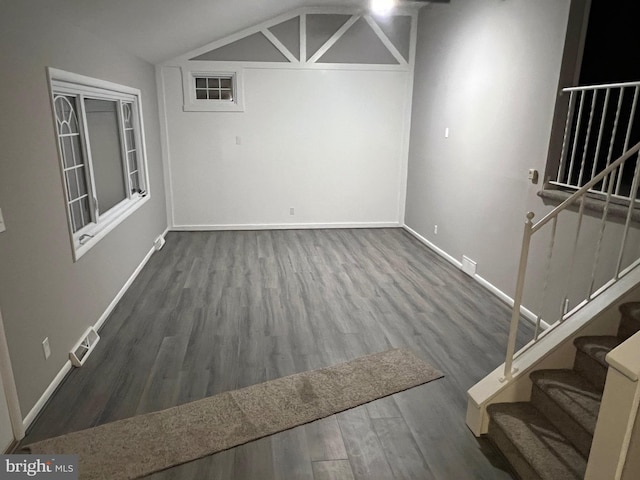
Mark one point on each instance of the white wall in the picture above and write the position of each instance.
(43, 293)
(488, 70)
(325, 142)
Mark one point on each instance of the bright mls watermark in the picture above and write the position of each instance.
(52, 467)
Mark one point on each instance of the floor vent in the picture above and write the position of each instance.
(84, 347)
(468, 266)
(159, 243)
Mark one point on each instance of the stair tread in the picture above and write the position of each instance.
(597, 347)
(575, 395)
(548, 452)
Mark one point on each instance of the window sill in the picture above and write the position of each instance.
(212, 106)
(593, 205)
(111, 220)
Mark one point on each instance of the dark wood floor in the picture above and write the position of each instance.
(215, 311)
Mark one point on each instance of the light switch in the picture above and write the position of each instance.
(2, 226)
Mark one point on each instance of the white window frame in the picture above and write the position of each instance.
(81, 87)
(192, 104)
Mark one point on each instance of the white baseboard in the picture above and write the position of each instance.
(125, 287)
(433, 247)
(33, 413)
(284, 226)
(526, 313)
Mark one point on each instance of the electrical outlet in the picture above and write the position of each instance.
(435, 229)
(46, 348)
(2, 225)
(292, 211)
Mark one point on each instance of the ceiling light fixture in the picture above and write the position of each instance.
(382, 7)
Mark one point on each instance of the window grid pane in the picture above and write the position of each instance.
(130, 146)
(80, 213)
(76, 216)
(214, 88)
(66, 119)
(73, 161)
(126, 115)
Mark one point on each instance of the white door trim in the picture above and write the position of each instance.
(10, 391)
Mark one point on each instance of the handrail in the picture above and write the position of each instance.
(588, 186)
(598, 87)
(530, 229)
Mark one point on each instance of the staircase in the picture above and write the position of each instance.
(549, 437)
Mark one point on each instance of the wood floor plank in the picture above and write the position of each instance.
(384, 408)
(433, 420)
(324, 440)
(332, 470)
(363, 446)
(214, 467)
(215, 311)
(254, 461)
(400, 449)
(291, 458)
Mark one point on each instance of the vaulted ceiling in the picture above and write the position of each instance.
(156, 30)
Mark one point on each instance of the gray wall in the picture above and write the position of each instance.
(43, 293)
(488, 70)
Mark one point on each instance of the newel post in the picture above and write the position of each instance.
(517, 299)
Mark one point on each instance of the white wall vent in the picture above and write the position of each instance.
(468, 266)
(79, 354)
(159, 242)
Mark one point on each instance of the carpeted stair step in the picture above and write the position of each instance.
(590, 357)
(630, 323)
(570, 403)
(533, 446)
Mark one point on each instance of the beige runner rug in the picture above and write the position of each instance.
(138, 446)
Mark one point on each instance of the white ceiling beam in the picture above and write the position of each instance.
(385, 40)
(334, 38)
(279, 45)
(303, 38)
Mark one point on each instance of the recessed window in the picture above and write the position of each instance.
(212, 91)
(214, 88)
(102, 155)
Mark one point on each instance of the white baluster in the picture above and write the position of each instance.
(633, 194)
(565, 141)
(627, 138)
(574, 253)
(594, 99)
(517, 299)
(613, 138)
(575, 138)
(603, 224)
(600, 132)
(554, 227)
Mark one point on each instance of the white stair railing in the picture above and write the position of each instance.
(607, 177)
(602, 121)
